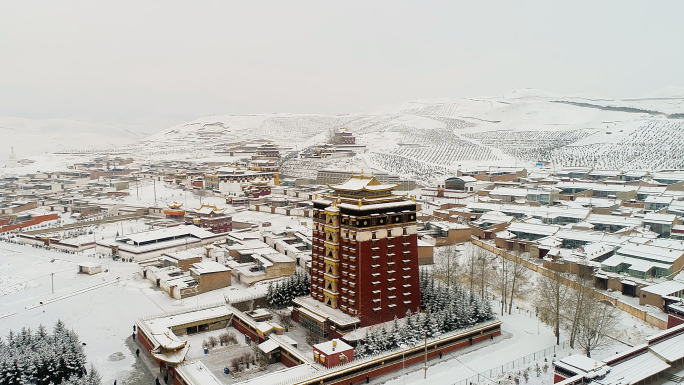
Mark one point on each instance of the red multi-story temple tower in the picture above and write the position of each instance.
(365, 253)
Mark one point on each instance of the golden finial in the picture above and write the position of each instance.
(359, 202)
(413, 198)
(315, 196)
(361, 172)
(372, 173)
(352, 173)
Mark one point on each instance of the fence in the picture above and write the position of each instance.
(638, 313)
(519, 364)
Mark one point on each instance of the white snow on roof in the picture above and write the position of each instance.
(660, 218)
(635, 369)
(376, 206)
(517, 192)
(634, 263)
(614, 220)
(332, 346)
(422, 243)
(281, 376)
(533, 228)
(582, 362)
(268, 346)
(193, 316)
(658, 199)
(664, 288)
(183, 255)
(199, 373)
(357, 182)
(655, 253)
(208, 267)
(318, 308)
(169, 232)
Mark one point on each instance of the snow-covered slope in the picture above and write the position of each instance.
(31, 137)
(425, 139)
(430, 138)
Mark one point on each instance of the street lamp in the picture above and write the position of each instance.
(403, 362)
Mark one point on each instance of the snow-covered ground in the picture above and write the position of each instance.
(101, 308)
(523, 336)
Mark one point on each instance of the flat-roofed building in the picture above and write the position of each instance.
(613, 223)
(661, 223)
(645, 260)
(658, 361)
(152, 244)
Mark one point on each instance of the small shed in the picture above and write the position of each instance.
(332, 353)
(89, 268)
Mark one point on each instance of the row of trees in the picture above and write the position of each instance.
(42, 358)
(588, 321)
(482, 271)
(284, 291)
(446, 309)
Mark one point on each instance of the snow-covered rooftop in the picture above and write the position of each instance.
(665, 288)
(646, 251)
(332, 346)
(208, 267)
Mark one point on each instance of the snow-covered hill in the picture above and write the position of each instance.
(30, 137)
(430, 138)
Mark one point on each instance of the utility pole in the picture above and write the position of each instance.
(425, 367)
(53, 282)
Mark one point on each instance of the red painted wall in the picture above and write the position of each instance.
(285, 360)
(242, 329)
(673, 320)
(365, 290)
(397, 367)
(32, 222)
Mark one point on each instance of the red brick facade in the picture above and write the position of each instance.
(365, 255)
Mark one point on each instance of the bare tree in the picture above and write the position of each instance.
(446, 266)
(597, 321)
(331, 136)
(484, 269)
(551, 298)
(470, 264)
(201, 193)
(502, 283)
(578, 301)
(286, 320)
(312, 338)
(520, 276)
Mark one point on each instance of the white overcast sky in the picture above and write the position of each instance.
(134, 61)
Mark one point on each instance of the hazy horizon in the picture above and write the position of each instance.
(161, 63)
